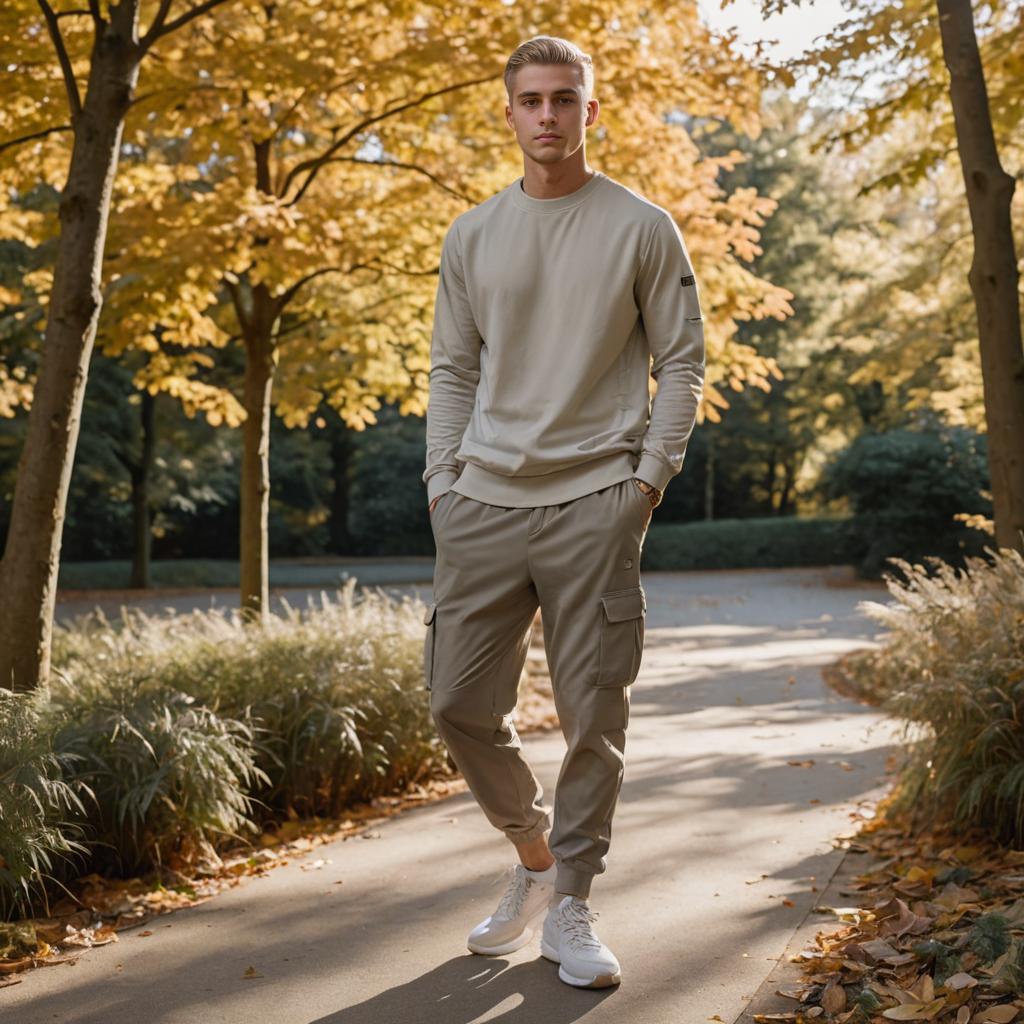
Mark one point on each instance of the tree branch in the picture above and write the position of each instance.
(314, 165)
(74, 100)
(33, 135)
(394, 163)
(288, 294)
(159, 31)
(183, 89)
(157, 26)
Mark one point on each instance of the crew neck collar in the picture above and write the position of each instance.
(560, 202)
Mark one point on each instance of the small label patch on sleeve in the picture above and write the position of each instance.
(688, 280)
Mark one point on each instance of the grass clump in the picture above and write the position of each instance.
(36, 805)
(952, 667)
(161, 740)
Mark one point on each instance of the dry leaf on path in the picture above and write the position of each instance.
(1001, 1014)
(833, 999)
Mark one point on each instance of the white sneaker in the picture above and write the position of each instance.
(568, 938)
(512, 925)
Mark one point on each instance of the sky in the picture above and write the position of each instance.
(794, 29)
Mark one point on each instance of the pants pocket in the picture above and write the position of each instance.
(622, 636)
(645, 502)
(428, 644)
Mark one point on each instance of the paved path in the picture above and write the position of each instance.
(714, 831)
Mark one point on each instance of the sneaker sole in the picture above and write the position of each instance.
(513, 944)
(508, 947)
(599, 981)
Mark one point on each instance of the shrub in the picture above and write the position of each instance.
(952, 666)
(333, 694)
(771, 542)
(35, 803)
(905, 487)
(167, 776)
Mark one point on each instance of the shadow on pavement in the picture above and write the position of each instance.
(470, 990)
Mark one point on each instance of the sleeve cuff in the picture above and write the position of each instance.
(653, 471)
(439, 483)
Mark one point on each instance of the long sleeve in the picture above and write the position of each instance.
(666, 294)
(454, 370)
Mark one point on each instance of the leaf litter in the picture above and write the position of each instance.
(933, 932)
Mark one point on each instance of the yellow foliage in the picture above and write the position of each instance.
(288, 171)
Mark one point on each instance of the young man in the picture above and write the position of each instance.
(545, 457)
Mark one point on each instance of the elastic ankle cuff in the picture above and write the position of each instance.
(573, 882)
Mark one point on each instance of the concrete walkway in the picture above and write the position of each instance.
(714, 831)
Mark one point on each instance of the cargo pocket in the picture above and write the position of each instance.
(428, 644)
(622, 636)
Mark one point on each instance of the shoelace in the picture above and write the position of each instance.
(512, 900)
(578, 920)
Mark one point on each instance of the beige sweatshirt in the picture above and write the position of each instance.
(548, 314)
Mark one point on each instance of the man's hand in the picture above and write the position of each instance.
(652, 492)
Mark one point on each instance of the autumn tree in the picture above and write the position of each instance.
(310, 235)
(957, 92)
(103, 49)
(289, 174)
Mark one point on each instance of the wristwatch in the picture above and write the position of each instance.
(652, 492)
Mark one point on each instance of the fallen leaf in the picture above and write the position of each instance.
(13, 966)
(796, 992)
(251, 972)
(915, 1011)
(801, 764)
(315, 865)
(905, 1012)
(878, 949)
(899, 920)
(965, 854)
(952, 896)
(959, 981)
(924, 989)
(833, 999)
(1001, 1014)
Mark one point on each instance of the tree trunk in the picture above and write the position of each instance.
(28, 572)
(255, 495)
(140, 476)
(341, 457)
(709, 478)
(788, 478)
(258, 312)
(770, 474)
(993, 275)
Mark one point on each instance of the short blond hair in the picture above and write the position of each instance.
(550, 50)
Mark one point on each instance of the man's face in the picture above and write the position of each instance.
(547, 99)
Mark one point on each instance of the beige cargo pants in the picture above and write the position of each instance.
(580, 562)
